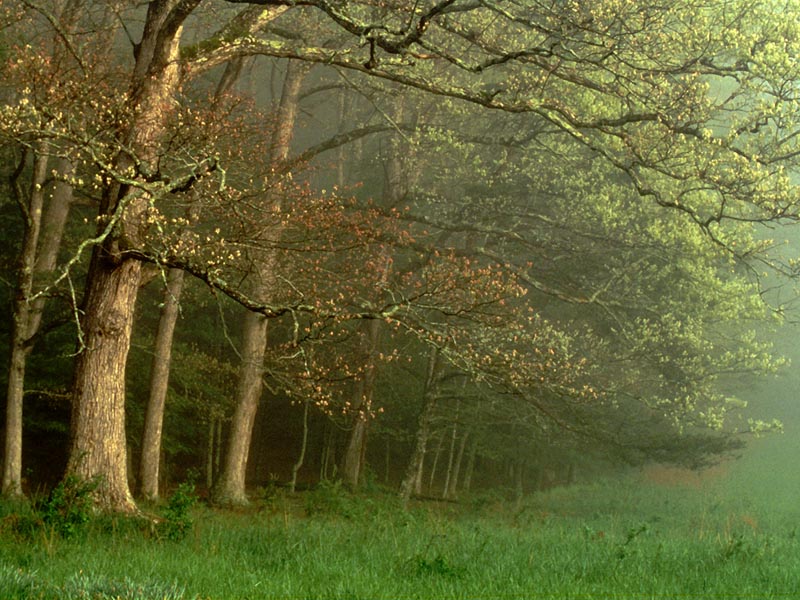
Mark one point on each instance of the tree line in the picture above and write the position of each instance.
(437, 240)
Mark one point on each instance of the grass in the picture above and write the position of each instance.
(620, 541)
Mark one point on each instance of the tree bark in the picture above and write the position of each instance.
(27, 314)
(159, 383)
(452, 492)
(20, 336)
(353, 463)
(450, 461)
(230, 489)
(473, 451)
(54, 222)
(413, 478)
(301, 458)
(162, 353)
(98, 443)
(435, 463)
(210, 453)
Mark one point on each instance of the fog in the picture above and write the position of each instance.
(766, 471)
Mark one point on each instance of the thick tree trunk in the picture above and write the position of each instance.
(98, 443)
(159, 383)
(230, 489)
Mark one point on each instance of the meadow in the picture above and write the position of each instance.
(623, 539)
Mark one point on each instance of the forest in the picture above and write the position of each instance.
(436, 246)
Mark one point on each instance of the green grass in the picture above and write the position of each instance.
(620, 541)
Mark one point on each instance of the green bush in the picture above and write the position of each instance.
(68, 507)
(331, 499)
(178, 513)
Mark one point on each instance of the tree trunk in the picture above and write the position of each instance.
(452, 492)
(54, 221)
(395, 189)
(26, 314)
(301, 458)
(162, 353)
(473, 451)
(230, 489)
(218, 448)
(412, 482)
(328, 456)
(210, 453)
(451, 455)
(435, 464)
(353, 463)
(20, 347)
(387, 462)
(519, 482)
(159, 384)
(98, 444)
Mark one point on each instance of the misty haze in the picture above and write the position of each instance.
(427, 299)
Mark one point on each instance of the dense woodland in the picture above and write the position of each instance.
(437, 245)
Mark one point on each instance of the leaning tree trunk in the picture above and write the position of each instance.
(303, 446)
(413, 477)
(230, 489)
(20, 336)
(159, 383)
(150, 460)
(452, 491)
(27, 313)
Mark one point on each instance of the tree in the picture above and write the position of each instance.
(43, 230)
(160, 365)
(230, 489)
(637, 86)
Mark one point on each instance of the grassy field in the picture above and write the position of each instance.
(624, 540)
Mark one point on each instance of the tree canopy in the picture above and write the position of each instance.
(566, 203)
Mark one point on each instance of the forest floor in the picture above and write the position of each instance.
(624, 539)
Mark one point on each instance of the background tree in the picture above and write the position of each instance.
(686, 112)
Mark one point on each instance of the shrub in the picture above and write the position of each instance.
(177, 514)
(69, 506)
(330, 499)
